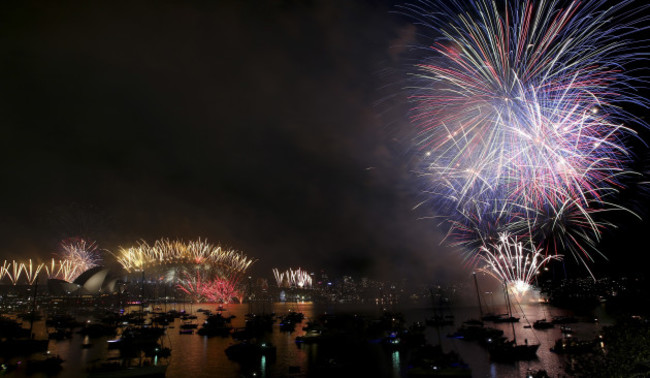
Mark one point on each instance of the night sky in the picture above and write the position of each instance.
(277, 128)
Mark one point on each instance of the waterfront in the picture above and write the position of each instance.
(202, 356)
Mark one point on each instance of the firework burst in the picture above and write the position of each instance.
(519, 117)
(292, 278)
(80, 255)
(512, 263)
(279, 277)
(167, 252)
(31, 272)
(15, 269)
(61, 270)
(217, 290)
(12, 271)
(204, 271)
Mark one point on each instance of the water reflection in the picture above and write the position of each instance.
(396, 364)
(201, 356)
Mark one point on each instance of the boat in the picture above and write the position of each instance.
(312, 336)
(215, 325)
(509, 350)
(439, 320)
(189, 325)
(543, 324)
(506, 319)
(474, 322)
(136, 337)
(288, 322)
(564, 320)
(490, 317)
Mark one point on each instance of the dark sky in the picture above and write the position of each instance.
(272, 127)
(265, 126)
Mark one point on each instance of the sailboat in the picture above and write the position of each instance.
(488, 316)
(506, 318)
(509, 350)
(438, 319)
(473, 329)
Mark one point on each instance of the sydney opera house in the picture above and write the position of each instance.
(98, 280)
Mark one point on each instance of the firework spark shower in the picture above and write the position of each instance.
(202, 270)
(512, 263)
(520, 112)
(292, 278)
(77, 256)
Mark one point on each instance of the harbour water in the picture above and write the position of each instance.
(201, 356)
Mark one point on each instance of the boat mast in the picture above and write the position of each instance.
(478, 295)
(31, 318)
(142, 297)
(514, 335)
(250, 295)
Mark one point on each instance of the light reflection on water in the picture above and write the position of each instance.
(199, 356)
(396, 364)
(554, 364)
